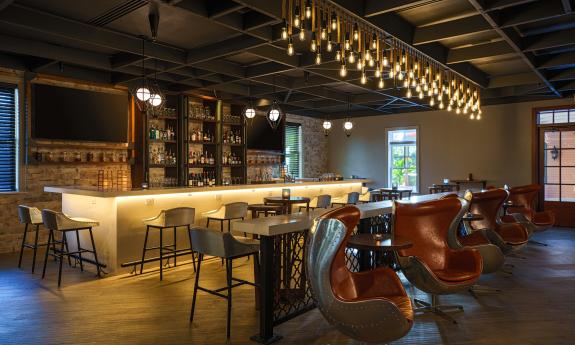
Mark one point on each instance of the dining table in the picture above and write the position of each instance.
(281, 297)
(287, 202)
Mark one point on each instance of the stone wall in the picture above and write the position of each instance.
(314, 145)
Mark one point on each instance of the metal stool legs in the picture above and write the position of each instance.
(34, 246)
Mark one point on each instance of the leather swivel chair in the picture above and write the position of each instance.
(369, 306)
(431, 265)
(509, 237)
(523, 211)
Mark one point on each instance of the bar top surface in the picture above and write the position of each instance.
(111, 193)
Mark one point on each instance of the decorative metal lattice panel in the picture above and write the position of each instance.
(292, 293)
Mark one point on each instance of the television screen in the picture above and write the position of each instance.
(74, 114)
(261, 136)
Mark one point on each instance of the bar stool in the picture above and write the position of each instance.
(228, 247)
(351, 199)
(58, 221)
(258, 209)
(320, 201)
(172, 218)
(365, 195)
(29, 216)
(227, 212)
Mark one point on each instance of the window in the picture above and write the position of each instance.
(402, 158)
(557, 116)
(8, 138)
(559, 165)
(293, 157)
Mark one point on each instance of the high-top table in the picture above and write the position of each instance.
(281, 303)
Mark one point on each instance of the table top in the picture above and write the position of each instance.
(470, 217)
(370, 242)
(398, 189)
(468, 181)
(281, 200)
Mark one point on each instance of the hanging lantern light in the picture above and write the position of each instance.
(284, 31)
(274, 115)
(249, 111)
(348, 125)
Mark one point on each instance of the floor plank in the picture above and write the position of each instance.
(537, 306)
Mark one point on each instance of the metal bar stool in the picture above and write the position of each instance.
(227, 212)
(30, 216)
(223, 245)
(58, 221)
(172, 218)
(349, 199)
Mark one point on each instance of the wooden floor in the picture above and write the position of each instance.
(537, 306)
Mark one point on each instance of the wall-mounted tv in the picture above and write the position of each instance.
(261, 136)
(74, 114)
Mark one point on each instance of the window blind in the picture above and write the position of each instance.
(8, 153)
(293, 149)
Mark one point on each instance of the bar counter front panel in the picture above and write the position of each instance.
(120, 236)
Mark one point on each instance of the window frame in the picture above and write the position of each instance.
(300, 149)
(417, 154)
(16, 85)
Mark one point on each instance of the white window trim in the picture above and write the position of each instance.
(418, 153)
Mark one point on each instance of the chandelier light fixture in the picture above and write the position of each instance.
(360, 46)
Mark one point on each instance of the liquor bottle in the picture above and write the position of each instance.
(212, 161)
(152, 132)
(238, 138)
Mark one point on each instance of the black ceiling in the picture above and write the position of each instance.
(518, 50)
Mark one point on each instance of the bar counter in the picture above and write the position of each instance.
(120, 235)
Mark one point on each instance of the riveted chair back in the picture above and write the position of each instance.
(430, 226)
(214, 243)
(323, 201)
(353, 198)
(179, 216)
(523, 199)
(236, 210)
(360, 305)
(29, 215)
(487, 204)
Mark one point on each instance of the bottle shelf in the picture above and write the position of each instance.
(232, 165)
(35, 162)
(162, 141)
(173, 118)
(200, 165)
(237, 145)
(232, 123)
(202, 120)
(200, 142)
(162, 165)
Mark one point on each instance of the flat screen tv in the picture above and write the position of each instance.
(261, 136)
(74, 114)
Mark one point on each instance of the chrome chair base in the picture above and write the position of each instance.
(475, 289)
(437, 309)
(538, 243)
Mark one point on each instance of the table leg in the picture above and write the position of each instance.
(364, 256)
(266, 334)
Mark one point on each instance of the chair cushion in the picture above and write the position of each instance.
(455, 275)
(476, 238)
(404, 305)
(508, 219)
(248, 241)
(513, 233)
(545, 218)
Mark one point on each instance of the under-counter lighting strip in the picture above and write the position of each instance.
(248, 190)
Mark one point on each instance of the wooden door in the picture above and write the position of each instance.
(557, 172)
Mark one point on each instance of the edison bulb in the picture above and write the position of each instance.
(363, 78)
(421, 95)
(284, 33)
(290, 50)
(359, 64)
(380, 84)
(143, 94)
(313, 46)
(338, 55)
(351, 57)
(329, 46)
(343, 71)
(432, 102)
(377, 73)
(318, 59)
(323, 34)
(302, 35)
(385, 61)
(472, 116)
(371, 63)
(441, 106)
(155, 99)
(250, 113)
(408, 94)
(449, 108)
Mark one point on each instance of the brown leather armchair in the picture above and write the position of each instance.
(431, 264)
(369, 306)
(523, 211)
(509, 237)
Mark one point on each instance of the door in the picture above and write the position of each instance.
(557, 164)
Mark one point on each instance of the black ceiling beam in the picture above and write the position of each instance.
(528, 13)
(550, 40)
(220, 8)
(568, 86)
(501, 4)
(480, 51)
(513, 80)
(450, 29)
(378, 7)
(568, 74)
(564, 60)
(514, 41)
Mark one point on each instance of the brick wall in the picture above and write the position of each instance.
(314, 145)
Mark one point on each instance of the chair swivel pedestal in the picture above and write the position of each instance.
(30, 216)
(169, 219)
(225, 246)
(59, 222)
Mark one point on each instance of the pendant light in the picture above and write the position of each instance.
(274, 114)
(348, 125)
(249, 110)
(141, 90)
(326, 126)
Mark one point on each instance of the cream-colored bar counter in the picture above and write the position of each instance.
(120, 235)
